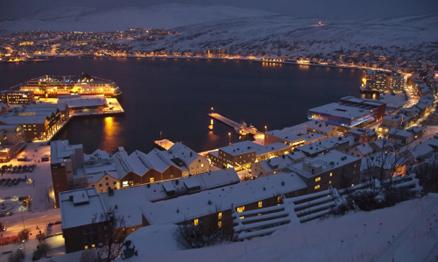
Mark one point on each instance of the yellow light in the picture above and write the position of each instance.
(260, 204)
(240, 209)
(316, 187)
(317, 179)
(195, 222)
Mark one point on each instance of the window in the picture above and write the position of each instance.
(219, 215)
(240, 209)
(330, 182)
(317, 179)
(331, 173)
(219, 224)
(278, 199)
(260, 204)
(316, 187)
(195, 222)
(93, 245)
(86, 247)
(125, 183)
(151, 180)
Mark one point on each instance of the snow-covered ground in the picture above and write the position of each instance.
(56, 244)
(405, 232)
(283, 35)
(41, 211)
(41, 177)
(242, 31)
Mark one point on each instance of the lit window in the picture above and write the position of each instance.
(219, 215)
(330, 182)
(317, 187)
(260, 204)
(331, 173)
(317, 179)
(125, 183)
(219, 224)
(240, 209)
(151, 180)
(195, 222)
(93, 245)
(86, 247)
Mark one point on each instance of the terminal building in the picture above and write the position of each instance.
(14, 97)
(54, 86)
(349, 112)
(37, 121)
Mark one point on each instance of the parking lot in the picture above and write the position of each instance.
(25, 186)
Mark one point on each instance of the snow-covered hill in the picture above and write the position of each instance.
(112, 19)
(405, 232)
(282, 35)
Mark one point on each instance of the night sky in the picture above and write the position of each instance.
(15, 9)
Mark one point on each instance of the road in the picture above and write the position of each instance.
(30, 220)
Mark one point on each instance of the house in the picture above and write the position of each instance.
(192, 161)
(333, 168)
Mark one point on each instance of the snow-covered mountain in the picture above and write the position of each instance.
(275, 34)
(112, 19)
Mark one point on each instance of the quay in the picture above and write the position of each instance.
(241, 128)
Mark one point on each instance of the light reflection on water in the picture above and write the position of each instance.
(171, 99)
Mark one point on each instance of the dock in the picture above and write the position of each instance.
(165, 144)
(241, 128)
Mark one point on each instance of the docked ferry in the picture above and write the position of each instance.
(84, 84)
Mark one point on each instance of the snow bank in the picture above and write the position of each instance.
(405, 232)
(155, 240)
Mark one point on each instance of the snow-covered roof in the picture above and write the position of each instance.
(80, 207)
(183, 152)
(400, 133)
(326, 144)
(245, 147)
(82, 101)
(339, 110)
(130, 201)
(301, 132)
(61, 149)
(333, 159)
(188, 207)
(242, 147)
(422, 151)
(363, 149)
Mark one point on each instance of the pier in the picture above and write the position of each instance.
(241, 128)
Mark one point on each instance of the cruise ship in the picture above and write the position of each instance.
(84, 84)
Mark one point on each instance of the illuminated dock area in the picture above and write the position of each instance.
(165, 144)
(241, 128)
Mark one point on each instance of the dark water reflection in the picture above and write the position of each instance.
(171, 98)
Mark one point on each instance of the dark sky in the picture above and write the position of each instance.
(13, 9)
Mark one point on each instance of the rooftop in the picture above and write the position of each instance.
(311, 167)
(211, 201)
